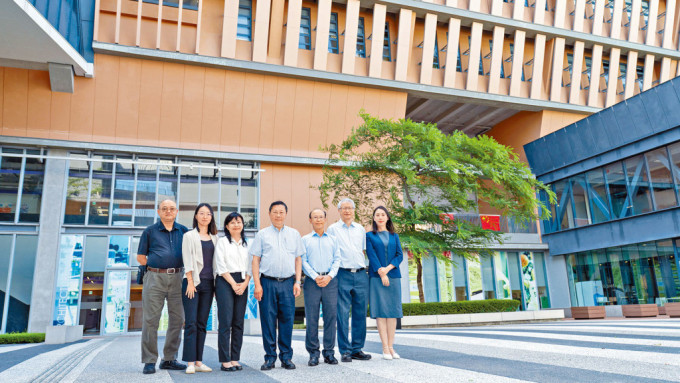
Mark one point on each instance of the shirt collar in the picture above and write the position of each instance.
(315, 234)
(342, 223)
(277, 230)
(161, 227)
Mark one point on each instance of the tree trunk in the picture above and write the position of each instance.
(419, 279)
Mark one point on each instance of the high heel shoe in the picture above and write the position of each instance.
(386, 354)
(394, 354)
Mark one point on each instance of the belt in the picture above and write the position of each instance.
(165, 271)
(325, 273)
(353, 270)
(276, 279)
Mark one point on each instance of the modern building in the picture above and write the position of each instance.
(108, 106)
(615, 225)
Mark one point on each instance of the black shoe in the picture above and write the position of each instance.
(331, 359)
(288, 364)
(149, 368)
(360, 356)
(267, 366)
(237, 367)
(346, 357)
(172, 365)
(232, 368)
(313, 361)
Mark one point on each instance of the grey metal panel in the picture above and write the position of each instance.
(584, 134)
(642, 228)
(561, 148)
(669, 102)
(600, 136)
(533, 152)
(655, 113)
(637, 118)
(576, 142)
(611, 127)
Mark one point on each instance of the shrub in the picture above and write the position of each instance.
(462, 307)
(22, 337)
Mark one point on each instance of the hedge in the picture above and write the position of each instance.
(22, 337)
(462, 307)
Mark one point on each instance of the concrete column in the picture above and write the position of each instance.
(229, 26)
(474, 57)
(649, 72)
(537, 74)
(558, 284)
(276, 28)
(665, 70)
(404, 45)
(323, 22)
(349, 50)
(496, 59)
(669, 24)
(595, 71)
(539, 12)
(560, 13)
(261, 30)
(557, 69)
(429, 38)
(631, 64)
(375, 62)
(52, 206)
(614, 56)
(579, 11)
(576, 69)
(634, 22)
(517, 63)
(616, 19)
(650, 33)
(598, 17)
(452, 45)
(290, 53)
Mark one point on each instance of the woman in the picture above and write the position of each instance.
(232, 275)
(198, 286)
(383, 249)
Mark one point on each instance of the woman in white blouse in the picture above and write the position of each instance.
(232, 275)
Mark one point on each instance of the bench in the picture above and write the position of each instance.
(588, 312)
(639, 311)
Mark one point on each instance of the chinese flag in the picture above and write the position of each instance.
(446, 218)
(491, 222)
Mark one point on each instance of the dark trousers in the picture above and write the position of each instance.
(231, 312)
(352, 294)
(277, 306)
(196, 312)
(315, 295)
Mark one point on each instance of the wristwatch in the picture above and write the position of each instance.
(299, 283)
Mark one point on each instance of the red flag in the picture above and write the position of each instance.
(491, 222)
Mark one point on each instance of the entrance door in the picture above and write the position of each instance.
(117, 300)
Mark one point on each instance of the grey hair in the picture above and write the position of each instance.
(346, 200)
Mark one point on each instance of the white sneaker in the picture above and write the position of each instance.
(190, 370)
(203, 368)
(387, 356)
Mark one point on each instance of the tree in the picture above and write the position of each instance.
(422, 176)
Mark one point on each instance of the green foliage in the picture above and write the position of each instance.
(22, 337)
(420, 173)
(462, 307)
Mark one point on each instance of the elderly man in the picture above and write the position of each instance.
(160, 249)
(352, 282)
(320, 264)
(277, 270)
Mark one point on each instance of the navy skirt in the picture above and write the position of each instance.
(385, 301)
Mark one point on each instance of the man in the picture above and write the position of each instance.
(160, 249)
(352, 282)
(320, 263)
(277, 270)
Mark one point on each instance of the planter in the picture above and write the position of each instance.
(673, 309)
(588, 312)
(640, 311)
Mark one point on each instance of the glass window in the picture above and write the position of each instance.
(77, 189)
(145, 194)
(167, 184)
(245, 16)
(541, 281)
(661, 180)
(618, 191)
(229, 196)
(502, 275)
(647, 278)
(458, 265)
(636, 172)
(430, 279)
(674, 151)
(5, 243)
(666, 271)
(515, 280)
(94, 262)
(571, 278)
(305, 30)
(134, 246)
(118, 251)
(529, 287)
(100, 192)
(249, 197)
(188, 193)
(21, 286)
(630, 271)
(435, 59)
(31, 194)
(10, 172)
(597, 193)
(210, 189)
(333, 44)
(581, 206)
(67, 290)
(474, 269)
(123, 193)
(564, 216)
(488, 280)
(447, 291)
(614, 286)
(387, 48)
(361, 39)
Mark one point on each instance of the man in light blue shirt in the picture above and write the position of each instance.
(277, 270)
(320, 263)
(352, 282)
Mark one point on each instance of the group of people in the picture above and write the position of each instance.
(187, 268)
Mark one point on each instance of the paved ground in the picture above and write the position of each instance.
(566, 351)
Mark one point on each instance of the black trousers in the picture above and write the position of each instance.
(196, 313)
(231, 312)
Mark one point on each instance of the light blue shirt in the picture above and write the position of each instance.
(277, 250)
(351, 242)
(322, 255)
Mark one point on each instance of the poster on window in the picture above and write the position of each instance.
(529, 286)
(502, 277)
(447, 292)
(413, 280)
(116, 302)
(474, 267)
(67, 289)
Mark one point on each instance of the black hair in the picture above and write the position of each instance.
(212, 226)
(278, 203)
(389, 226)
(231, 217)
(315, 209)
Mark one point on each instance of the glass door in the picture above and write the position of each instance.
(117, 301)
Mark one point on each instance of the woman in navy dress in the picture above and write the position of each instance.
(383, 249)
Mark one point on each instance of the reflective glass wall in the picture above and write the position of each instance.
(125, 190)
(632, 274)
(17, 264)
(21, 182)
(637, 185)
(504, 275)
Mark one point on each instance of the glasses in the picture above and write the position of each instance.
(168, 209)
(346, 208)
(202, 214)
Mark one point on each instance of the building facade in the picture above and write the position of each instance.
(108, 106)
